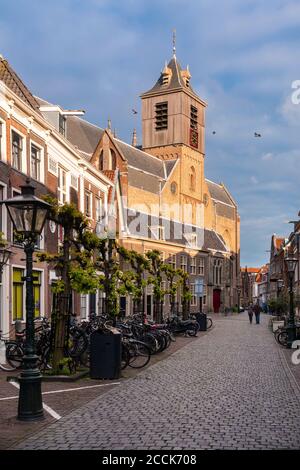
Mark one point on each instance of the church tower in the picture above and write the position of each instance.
(173, 128)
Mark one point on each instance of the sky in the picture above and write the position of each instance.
(100, 55)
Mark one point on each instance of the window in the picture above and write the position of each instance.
(61, 185)
(113, 159)
(161, 116)
(2, 141)
(98, 203)
(37, 284)
(16, 150)
(2, 228)
(52, 166)
(83, 306)
(192, 179)
(194, 118)
(18, 301)
(62, 124)
(35, 157)
(201, 267)
(194, 297)
(74, 182)
(217, 271)
(158, 232)
(18, 294)
(88, 203)
(101, 167)
(193, 266)
(183, 263)
(172, 260)
(191, 239)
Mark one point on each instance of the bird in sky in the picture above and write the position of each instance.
(214, 132)
(256, 134)
(134, 111)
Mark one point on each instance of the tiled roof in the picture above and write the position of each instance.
(16, 85)
(218, 192)
(83, 134)
(250, 270)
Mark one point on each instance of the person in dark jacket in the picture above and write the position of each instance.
(250, 314)
(256, 310)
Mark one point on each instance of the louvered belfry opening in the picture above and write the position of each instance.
(194, 117)
(161, 116)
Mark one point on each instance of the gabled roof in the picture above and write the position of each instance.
(83, 134)
(219, 193)
(176, 81)
(250, 270)
(16, 85)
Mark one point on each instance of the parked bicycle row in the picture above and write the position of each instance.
(281, 332)
(140, 340)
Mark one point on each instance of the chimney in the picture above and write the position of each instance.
(134, 139)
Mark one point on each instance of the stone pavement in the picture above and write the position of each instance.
(229, 389)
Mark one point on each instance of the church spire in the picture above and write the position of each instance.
(174, 43)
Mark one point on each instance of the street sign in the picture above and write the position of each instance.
(199, 287)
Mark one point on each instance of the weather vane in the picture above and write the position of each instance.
(174, 42)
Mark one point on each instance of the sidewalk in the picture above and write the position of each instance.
(12, 431)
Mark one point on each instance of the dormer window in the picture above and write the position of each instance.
(161, 116)
(62, 125)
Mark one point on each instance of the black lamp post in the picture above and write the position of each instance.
(28, 214)
(291, 263)
(280, 285)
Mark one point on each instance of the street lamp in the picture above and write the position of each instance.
(28, 215)
(291, 263)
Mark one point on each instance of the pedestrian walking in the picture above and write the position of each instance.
(250, 314)
(256, 310)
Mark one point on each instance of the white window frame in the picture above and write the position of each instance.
(201, 266)
(87, 299)
(172, 260)
(74, 186)
(23, 168)
(53, 161)
(183, 263)
(98, 209)
(194, 297)
(62, 191)
(4, 211)
(193, 265)
(90, 196)
(3, 153)
(41, 178)
(158, 231)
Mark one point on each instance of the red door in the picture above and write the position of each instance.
(216, 300)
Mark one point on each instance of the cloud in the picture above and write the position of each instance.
(101, 54)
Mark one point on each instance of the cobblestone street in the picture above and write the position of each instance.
(229, 389)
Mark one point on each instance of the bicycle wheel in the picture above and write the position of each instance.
(125, 356)
(139, 353)
(193, 330)
(78, 343)
(282, 338)
(14, 355)
(208, 323)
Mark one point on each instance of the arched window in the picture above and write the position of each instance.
(113, 159)
(192, 179)
(101, 161)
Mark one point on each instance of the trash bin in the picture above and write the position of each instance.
(105, 355)
(202, 320)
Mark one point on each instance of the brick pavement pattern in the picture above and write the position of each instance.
(229, 389)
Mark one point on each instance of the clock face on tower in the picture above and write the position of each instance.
(193, 138)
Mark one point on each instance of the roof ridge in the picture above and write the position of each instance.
(21, 85)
